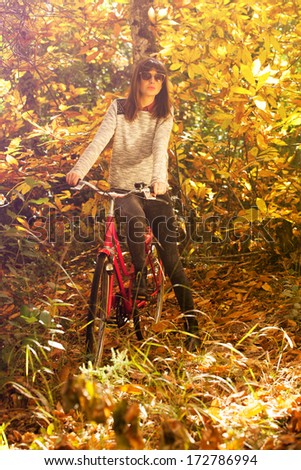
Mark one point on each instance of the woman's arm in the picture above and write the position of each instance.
(102, 137)
(160, 154)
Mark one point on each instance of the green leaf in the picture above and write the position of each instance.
(42, 200)
(45, 318)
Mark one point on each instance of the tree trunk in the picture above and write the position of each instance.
(144, 43)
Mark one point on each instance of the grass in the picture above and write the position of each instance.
(242, 390)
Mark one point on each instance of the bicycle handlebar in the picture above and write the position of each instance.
(114, 194)
(3, 201)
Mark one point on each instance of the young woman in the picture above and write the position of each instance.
(141, 126)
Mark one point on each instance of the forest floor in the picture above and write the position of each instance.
(241, 390)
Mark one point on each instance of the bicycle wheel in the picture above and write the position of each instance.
(148, 313)
(99, 307)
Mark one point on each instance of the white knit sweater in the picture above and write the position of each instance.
(139, 148)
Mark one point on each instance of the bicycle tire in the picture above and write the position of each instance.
(149, 315)
(98, 312)
(158, 307)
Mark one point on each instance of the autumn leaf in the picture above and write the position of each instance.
(241, 90)
(260, 203)
(267, 287)
(152, 15)
(261, 142)
(247, 73)
(132, 388)
(12, 161)
(234, 159)
(209, 174)
(253, 409)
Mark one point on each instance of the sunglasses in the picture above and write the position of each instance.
(159, 77)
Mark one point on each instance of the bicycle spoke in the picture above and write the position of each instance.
(148, 313)
(98, 311)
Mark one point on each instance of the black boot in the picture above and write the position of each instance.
(193, 340)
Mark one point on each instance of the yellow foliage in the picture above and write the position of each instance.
(253, 409)
(12, 161)
(260, 203)
(235, 76)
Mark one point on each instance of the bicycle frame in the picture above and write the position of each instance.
(112, 285)
(113, 250)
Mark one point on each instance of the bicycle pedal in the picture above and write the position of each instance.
(140, 293)
(123, 324)
(121, 318)
(141, 296)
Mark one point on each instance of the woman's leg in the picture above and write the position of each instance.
(161, 217)
(130, 214)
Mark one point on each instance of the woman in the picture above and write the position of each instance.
(141, 126)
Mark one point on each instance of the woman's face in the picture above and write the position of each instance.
(151, 83)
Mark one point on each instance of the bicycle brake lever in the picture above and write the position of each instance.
(148, 194)
(79, 185)
(3, 201)
(83, 183)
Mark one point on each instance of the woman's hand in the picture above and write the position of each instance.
(158, 188)
(72, 178)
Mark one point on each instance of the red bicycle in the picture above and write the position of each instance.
(112, 294)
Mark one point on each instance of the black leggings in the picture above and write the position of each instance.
(137, 212)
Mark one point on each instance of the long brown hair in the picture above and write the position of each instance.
(162, 108)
